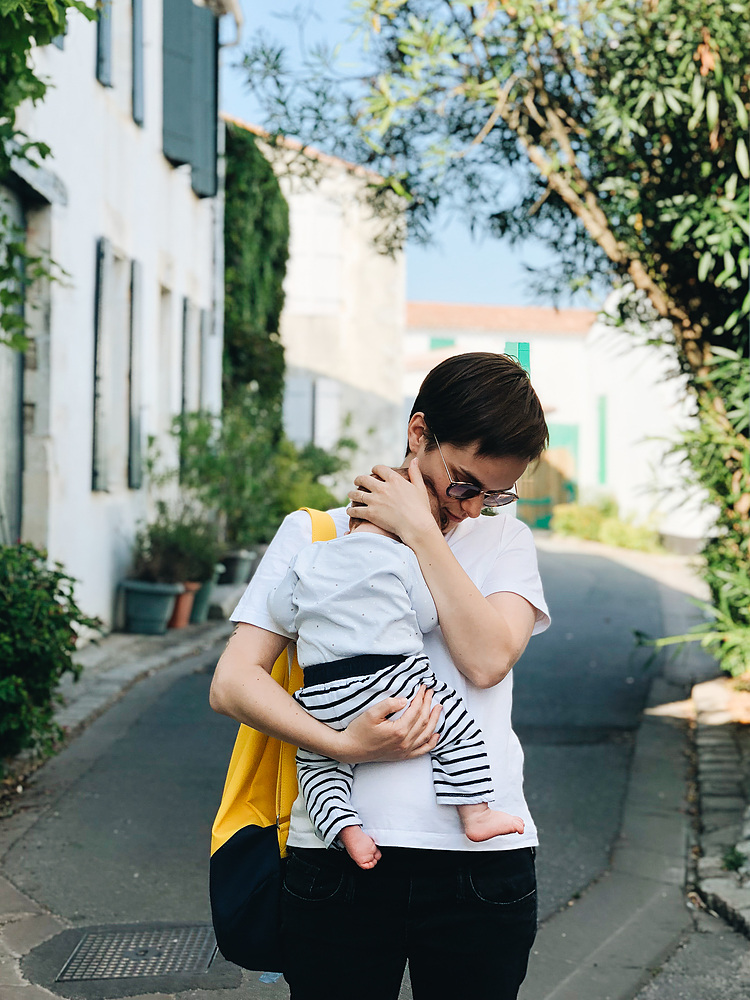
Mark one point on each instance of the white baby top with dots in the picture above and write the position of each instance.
(359, 593)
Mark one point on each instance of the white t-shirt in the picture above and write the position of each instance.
(397, 800)
(360, 593)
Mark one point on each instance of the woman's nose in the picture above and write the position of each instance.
(473, 507)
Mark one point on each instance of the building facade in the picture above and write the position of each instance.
(343, 320)
(129, 208)
(612, 407)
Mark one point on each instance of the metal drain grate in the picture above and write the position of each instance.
(143, 952)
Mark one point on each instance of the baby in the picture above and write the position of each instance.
(359, 606)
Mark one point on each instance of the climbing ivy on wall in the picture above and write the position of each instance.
(256, 249)
(24, 25)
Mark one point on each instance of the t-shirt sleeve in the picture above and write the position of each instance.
(294, 534)
(281, 604)
(420, 597)
(515, 570)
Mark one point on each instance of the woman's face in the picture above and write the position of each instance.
(465, 466)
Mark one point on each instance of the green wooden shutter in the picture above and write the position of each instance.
(135, 375)
(137, 60)
(177, 93)
(521, 352)
(99, 470)
(602, 420)
(104, 44)
(205, 101)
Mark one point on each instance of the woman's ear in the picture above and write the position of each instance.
(416, 433)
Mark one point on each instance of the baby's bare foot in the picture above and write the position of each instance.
(482, 823)
(359, 846)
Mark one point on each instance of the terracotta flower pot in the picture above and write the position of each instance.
(183, 606)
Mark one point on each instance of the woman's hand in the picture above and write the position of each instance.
(393, 503)
(373, 736)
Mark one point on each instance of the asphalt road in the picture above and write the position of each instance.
(579, 690)
(128, 839)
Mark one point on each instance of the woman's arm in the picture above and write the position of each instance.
(243, 689)
(485, 635)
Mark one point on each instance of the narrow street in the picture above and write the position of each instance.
(117, 827)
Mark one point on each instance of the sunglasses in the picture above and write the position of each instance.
(467, 491)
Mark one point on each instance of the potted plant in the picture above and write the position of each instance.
(154, 583)
(173, 555)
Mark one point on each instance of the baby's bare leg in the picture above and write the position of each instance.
(359, 846)
(482, 823)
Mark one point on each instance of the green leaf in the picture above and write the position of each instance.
(705, 265)
(741, 111)
(740, 155)
(712, 110)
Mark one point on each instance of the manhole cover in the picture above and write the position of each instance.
(145, 952)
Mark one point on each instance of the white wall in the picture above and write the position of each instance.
(343, 320)
(119, 186)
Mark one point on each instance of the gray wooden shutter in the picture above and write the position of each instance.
(177, 93)
(135, 375)
(205, 101)
(104, 44)
(99, 470)
(137, 61)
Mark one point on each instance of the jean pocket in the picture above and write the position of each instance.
(309, 882)
(493, 883)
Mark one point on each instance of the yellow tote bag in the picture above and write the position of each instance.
(248, 838)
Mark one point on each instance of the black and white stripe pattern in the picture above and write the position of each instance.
(460, 767)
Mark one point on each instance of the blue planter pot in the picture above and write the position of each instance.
(202, 599)
(149, 606)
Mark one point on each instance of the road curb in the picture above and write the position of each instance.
(722, 753)
(607, 945)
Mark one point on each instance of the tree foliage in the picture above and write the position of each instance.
(614, 130)
(256, 248)
(24, 24)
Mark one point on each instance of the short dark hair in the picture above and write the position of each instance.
(483, 399)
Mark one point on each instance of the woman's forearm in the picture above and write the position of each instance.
(482, 643)
(243, 689)
(246, 692)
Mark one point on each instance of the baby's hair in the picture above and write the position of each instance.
(437, 512)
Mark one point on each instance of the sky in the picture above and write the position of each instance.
(455, 267)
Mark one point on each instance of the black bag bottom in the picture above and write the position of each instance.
(246, 875)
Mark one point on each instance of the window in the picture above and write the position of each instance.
(112, 367)
(190, 91)
(191, 357)
(104, 44)
(137, 60)
(135, 375)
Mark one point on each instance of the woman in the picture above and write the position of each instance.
(463, 914)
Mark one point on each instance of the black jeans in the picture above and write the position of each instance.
(465, 922)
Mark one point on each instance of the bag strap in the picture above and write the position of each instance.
(323, 530)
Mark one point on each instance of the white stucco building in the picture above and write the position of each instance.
(611, 406)
(129, 207)
(343, 320)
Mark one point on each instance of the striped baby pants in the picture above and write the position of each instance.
(336, 693)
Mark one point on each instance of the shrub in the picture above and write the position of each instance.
(601, 523)
(626, 535)
(243, 470)
(39, 619)
(179, 545)
(579, 520)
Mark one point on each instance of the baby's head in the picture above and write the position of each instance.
(437, 512)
